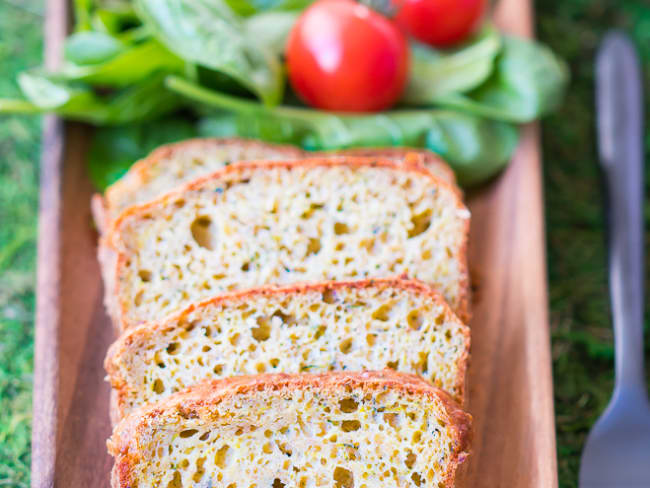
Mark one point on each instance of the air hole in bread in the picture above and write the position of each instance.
(144, 275)
(320, 331)
(329, 296)
(393, 419)
(203, 232)
(277, 483)
(368, 244)
(198, 474)
(392, 365)
(286, 450)
(173, 348)
(343, 478)
(223, 456)
(420, 223)
(346, 345)
(417, 479)
(341, 228)
(310, 211)
(348, 405)
(158, 386)
(313, 246)
(246, 266)
(350, 425)
(188, 433)
(286, 319)
(415, 319)
(175, 482)
(263, 330)
(410, 459)
(422, 365)
(382, 313)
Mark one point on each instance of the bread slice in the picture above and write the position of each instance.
(344, 430)
(259, 223)
(174, 164)
(351, 326)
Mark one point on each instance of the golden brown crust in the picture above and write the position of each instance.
(410, 165)
(197, 400)
(122, 345)
(103, 206)
(429, 158)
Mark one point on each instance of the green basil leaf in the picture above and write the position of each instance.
(529, 82)
(130, 66)
(271, 29)
(88, 47)
(115, 149)
(115, 18)
(436, 73)
(48, 93)
(209, 33)
(82, 13)
(251, 7)
(476, 148)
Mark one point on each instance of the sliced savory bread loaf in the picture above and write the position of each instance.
(286, 222)
(351, 326)
(344, 430)
(174, 164)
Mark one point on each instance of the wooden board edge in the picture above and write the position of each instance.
(541, 398)
(517, 17)
(46, 344)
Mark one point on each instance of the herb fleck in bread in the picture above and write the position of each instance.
(348, 430)
(258, 223)
(174, 164)
(352, 326)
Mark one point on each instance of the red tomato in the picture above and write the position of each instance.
(343, 56)
(440, 23)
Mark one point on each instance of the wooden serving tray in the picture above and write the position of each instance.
(510, 396)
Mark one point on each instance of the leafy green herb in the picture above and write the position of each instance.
(476, 148)
(436, 73)
(47, 93)
(251, 7)
(529, 81)
(87, 47)
(209, 33)
(114, 149)
(117, 18)
(127, 67)
(271, 29)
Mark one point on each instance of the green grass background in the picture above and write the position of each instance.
(582, 337)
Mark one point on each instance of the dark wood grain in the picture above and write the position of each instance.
(510, 393)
